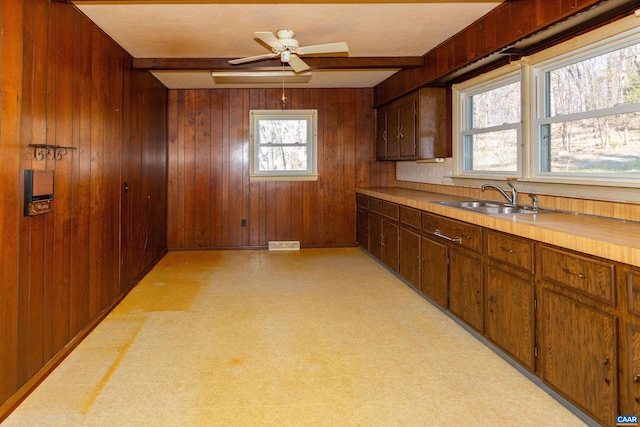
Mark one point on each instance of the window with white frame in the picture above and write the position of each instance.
(283, 145)
(575, 117)
(490, 126)
(587, 120)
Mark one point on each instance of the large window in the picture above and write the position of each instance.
(283, 145)
(588, 117)
(575, 117)
(491, 126)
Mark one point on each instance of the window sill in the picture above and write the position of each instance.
(296, 177)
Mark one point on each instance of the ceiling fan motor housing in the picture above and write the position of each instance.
(290, 44)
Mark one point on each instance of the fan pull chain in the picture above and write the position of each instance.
(284, 98)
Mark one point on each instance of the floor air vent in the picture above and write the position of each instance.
(284, 246)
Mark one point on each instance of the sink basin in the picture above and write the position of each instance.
(489, 207)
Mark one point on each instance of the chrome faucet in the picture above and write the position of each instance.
(513, 199)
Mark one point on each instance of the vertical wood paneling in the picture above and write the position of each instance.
(317, 213)
(61, 333)
(507, 23)
(202, 173)
(64, 82)
(10, 70)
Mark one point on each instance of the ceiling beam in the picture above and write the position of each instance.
(265, 1)
(334, 63)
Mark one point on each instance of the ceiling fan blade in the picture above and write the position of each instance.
(253, 58)
(298, 64)
(269, 39)
(340, 47)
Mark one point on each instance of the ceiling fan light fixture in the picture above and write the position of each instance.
(260, 77)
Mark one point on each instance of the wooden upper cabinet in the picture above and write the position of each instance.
(407, 130)
(393, 134)
(434, 139)
(382, 135)
(415, 126)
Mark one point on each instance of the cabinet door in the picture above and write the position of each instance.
(633, 381)
(509, 316)
(362, 229)
(434, 123)
(630, 384)
(465, 288)
(410, 256)
(407, 130)
(382, 135)
(578, 353)
(390, 246)
(393, 134)
(375, 236)
(433, 282)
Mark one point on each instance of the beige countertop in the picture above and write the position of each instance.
(607, 238)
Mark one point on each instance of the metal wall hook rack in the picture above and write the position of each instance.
(50, 152)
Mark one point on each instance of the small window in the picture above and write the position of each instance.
(588, 118)
(283, 145)
(490, 127)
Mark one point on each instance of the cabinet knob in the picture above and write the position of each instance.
(636, 378)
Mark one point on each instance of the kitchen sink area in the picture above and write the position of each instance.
(489, 207)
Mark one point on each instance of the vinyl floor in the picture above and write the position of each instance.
(317, 337)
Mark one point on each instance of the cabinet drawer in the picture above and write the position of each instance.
(470, 235)
(510, 250)
(375, 205)
(434, 224)
(362, 201)
(390, 210)
(461, 233)
(586, 275)
(410, 216)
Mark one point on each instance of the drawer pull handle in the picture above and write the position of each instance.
(457, 239)
(511, 251)
(578, 275)
(606, 364)
(636, 379)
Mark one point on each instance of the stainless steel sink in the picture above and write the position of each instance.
(488, 207)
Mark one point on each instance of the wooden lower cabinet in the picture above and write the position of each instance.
(410, 256)
(362, 229)
(509, 315)
(570, 318)
(631, 380)
(435, 272)
(578, 353)
(390, 244)
(465, 287)
(630, 349)
(375, 236)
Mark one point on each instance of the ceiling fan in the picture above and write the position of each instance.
(286, 47)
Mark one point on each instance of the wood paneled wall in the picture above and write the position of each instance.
(64, 82)
(508, 23)
(209, 188)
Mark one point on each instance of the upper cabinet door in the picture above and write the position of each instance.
(407, 130)
(416, 126)
(382, 135)
(393, 134)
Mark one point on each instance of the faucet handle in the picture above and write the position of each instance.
(534, 202)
